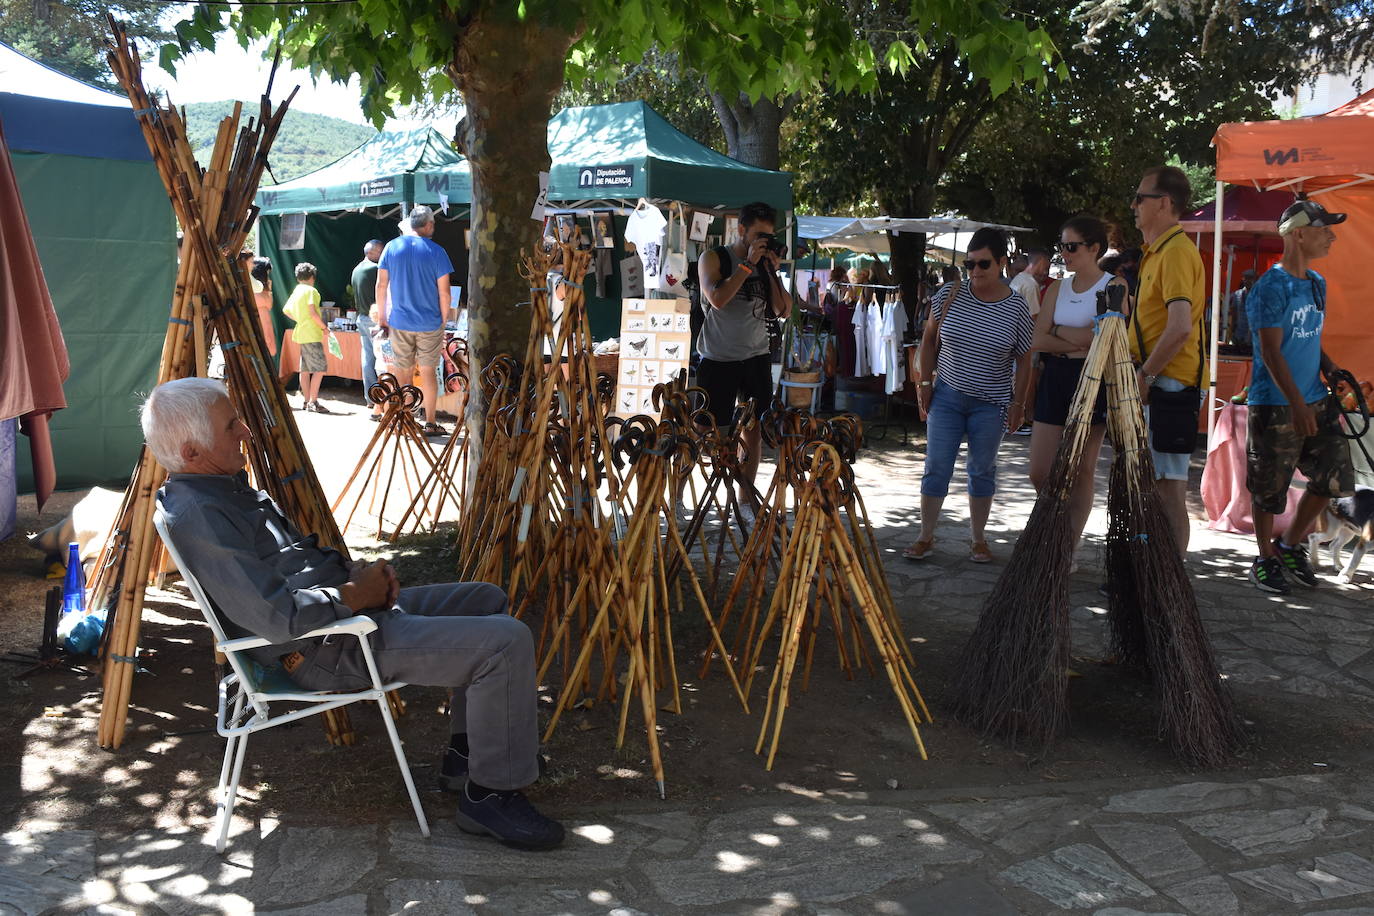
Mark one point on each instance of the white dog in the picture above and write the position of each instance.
(1345, 520)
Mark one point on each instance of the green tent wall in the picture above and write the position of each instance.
(106, 237)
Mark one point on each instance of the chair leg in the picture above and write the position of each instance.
(231, 792)
(230, 744)
(405, 767)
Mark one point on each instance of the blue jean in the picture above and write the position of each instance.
(953, 417)
(365, 326)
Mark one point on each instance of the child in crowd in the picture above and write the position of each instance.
(303, 307)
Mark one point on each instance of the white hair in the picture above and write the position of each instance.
(421, 216)
(178, 412)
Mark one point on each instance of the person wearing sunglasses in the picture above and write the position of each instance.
(979, 343)
(1063, 334)
(1166, 333)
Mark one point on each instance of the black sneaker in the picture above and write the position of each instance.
(1267, 574)
(510, 818)
(1295, 563)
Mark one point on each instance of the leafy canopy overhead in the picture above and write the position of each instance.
(401, 48)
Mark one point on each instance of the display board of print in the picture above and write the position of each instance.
(655, 345)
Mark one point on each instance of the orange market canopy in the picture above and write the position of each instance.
(1329, 157)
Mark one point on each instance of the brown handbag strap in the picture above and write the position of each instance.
(944, 310)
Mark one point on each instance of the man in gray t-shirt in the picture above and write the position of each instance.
(740, 289)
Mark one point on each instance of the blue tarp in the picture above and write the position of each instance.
(34, 125)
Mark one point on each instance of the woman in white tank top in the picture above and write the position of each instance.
(1063, 334)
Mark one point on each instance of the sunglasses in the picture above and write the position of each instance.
(1071, 247)
(1140, 198)
(981, 264)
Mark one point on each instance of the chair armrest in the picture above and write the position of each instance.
(359, 625)
(243, 643)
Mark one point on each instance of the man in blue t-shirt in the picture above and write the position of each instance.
(413, 297)
(1295, 422)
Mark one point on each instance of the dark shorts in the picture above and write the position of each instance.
(312, 357)
(727, 383)
(1054, 393)
(1275, 449)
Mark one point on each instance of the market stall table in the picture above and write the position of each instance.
(1223, 479)
(350, 365)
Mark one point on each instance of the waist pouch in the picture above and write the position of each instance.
(1174, 419)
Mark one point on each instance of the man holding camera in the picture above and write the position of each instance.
(740, 292)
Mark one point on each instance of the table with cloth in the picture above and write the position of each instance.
(1223, 479)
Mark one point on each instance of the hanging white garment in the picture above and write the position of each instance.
(894, 329)
(877, 361)
(861, 340)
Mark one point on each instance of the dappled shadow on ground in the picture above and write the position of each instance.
(138, 817)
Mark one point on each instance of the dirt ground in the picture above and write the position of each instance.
(839, 737)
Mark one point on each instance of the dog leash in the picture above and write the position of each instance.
(1334, 379)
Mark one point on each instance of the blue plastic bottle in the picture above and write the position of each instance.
(74, 586)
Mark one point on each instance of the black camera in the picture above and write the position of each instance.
(772, 243)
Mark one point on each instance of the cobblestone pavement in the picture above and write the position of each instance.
(1211, 845)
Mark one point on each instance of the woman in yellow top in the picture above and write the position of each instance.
(303, 307)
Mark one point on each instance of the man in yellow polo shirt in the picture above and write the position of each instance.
(1166, 333)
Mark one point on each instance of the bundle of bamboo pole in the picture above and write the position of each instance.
(823, 565)
(635, 593)
(398, 444)
(448, 478)
(212, 300)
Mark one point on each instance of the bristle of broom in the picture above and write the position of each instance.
(1196, 715)
(1013, 675)
(1154, 614)
(1125, 625)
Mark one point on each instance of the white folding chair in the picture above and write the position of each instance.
(252, 689)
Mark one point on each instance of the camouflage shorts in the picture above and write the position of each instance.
(1275, 449)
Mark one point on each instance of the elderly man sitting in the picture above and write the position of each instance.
(269, 580)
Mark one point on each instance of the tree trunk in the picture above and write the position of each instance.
(909, 248)
(908, 264)
(508, 71)
(753, 129)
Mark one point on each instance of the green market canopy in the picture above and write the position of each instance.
(626, 150)
(394, 167)
(601, 153)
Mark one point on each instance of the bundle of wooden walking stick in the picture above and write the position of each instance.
(1013, 678)
(212, 303)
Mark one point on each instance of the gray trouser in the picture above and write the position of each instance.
(461, 636)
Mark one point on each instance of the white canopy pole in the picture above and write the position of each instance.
(1216, 312)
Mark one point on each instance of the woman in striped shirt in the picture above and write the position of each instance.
(983, 333)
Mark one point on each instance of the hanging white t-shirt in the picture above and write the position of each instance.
(894, 329)
(860, 340)
(645, 230)
(877, 361)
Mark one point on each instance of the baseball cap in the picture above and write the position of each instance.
(1307, 213)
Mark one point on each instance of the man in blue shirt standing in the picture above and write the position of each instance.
(1295, 422)
(413, 297)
